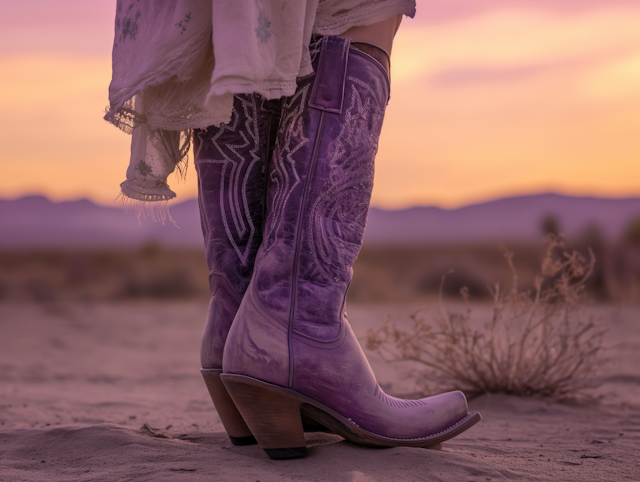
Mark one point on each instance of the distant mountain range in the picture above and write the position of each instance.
(35, 221)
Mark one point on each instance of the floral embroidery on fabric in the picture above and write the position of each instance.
(182, 23)
(263, 29)
(143, 168)
(129, 25)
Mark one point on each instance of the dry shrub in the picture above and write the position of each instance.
(538, 342)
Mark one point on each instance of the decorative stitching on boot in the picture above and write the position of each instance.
(291, 127)
(351, 177)
(235, 174)
(371, 90)
(395, 402)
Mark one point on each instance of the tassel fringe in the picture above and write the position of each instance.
(146, 206)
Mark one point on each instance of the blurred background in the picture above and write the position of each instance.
(509, 120)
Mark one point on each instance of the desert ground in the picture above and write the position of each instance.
(112, 391)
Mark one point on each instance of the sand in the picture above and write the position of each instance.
(113, 392)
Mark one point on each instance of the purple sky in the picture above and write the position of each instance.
(543, 95)
(438, 11)
(85, 26)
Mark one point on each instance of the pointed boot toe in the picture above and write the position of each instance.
(333, 385)
(444, 410)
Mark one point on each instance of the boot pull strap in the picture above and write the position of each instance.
(328, 88)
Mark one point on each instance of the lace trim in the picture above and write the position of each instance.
(180, 69)
(157, 211)
(125, 118)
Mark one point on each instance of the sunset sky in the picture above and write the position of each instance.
(489, 98)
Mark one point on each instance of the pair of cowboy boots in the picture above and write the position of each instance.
(284, 195)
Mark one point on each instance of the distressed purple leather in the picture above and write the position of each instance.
(231, 161)
(328, 87)
(291, 328)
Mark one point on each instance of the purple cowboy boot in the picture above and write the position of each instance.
(291, 352)
(231, 161)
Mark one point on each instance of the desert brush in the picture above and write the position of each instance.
(538, 342)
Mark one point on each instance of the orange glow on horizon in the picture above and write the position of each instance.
(512, 101)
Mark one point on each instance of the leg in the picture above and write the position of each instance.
(291, 346)
(379, 34)
(230, 161)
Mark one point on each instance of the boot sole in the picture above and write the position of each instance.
(236, 428)
(274, 415)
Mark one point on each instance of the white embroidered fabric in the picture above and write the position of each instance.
(177, 65)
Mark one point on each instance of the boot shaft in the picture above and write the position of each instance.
(231, 163)
(320, 180)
